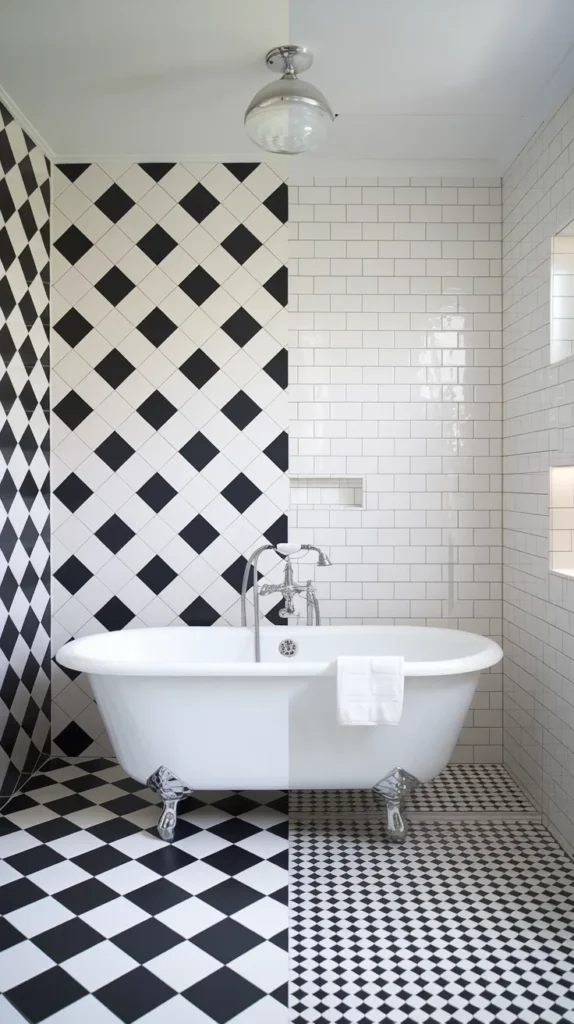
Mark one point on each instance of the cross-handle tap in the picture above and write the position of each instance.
(289, 589)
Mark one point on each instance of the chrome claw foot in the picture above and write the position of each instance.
(171, 790)
(392, 790)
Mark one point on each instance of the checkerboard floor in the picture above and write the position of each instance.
(102, 922)
(465, 922)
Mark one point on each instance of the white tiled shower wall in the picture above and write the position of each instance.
(395, 353)
(538, 201)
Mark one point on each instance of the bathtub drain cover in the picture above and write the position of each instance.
(288, 648)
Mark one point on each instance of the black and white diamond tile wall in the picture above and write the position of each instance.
(169, 403)
(464, 922)
(104, 923)
(24, 452)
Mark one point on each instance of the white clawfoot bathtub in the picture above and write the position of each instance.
(194, 700)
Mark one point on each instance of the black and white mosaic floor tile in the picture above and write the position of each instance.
(103, 922)
(465, 922)
(459, 789)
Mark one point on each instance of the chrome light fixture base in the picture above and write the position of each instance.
(293, 58)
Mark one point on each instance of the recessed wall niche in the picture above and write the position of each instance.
(562, 295)
(561, 510)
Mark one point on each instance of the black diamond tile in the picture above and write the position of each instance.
(114, 286)
(36, 859)
(73, 574)
(199, 613)
(156, 171)
(114, 451)
(147, 940)
(199, 285)
(56, 828)
(241, 410)
(157, 574)
(282, 941)
(234, 575)
(236, 803)
(241, 244)
(127, 804)
(168, 859)
(73, 740)
(85, 896)
(134, 994)
(156, 327)
(114, 829)
(278, 203)
(156, 492)
(234, 830)
(103, 858)
(277, 368)
(278, 451)
(282, 993)
(72, 410)
(199, 368)
(199, 534)
(199, 203)
(115, 203)
(73, 244)
(277, 532)
(69, 804)
(241, 327)
(277, 286)
(227, 940)
(73, 171)
(199, 451)
(68, 939)
(15, 895)
(157, 244)
(114, 368)
(73, 327)
(281, 895)
(223, 995)
(281, 860)
(158, 896)
(45, 994)
(241, 492)
(115, 534)
(232, 860)
(82, 783)
(114, 614)
(230, 896)
(241, 171)
(156, 410)
(9, 936)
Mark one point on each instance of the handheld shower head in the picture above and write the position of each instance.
(323, 560)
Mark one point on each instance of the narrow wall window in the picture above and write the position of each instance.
(562, 295)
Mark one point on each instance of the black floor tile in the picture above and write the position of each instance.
(85, 896)
(67, 939)
(169, 859)
(134, 994)
(232, 860)
(146, 940)
(223, 995)
(45, 994)
(227, 940)
(104, 858)
(157, 896)
(234, 830)
(114, 829)
(19, 894)
(35, 859)
(56, 828)
(230, 896)
(9, 936)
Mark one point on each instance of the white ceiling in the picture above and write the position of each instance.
(444, 85)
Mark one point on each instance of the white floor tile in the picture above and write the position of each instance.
(127, 877)
(20, 962)
(88, 1010)
(59, 876)
(269, 1011)
(8, 1013)
(114, 917)
(99, 965)
(183, 965)
(190, 917)
(265, 966)
(176, 1011)
(266, 917)
(197, 877)
(39, 916)
(264, 877)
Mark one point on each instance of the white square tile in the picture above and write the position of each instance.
(99, 965)
(182, 966)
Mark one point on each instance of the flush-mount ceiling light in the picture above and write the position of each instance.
(288, 116)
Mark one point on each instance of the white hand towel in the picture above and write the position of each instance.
(370, 690)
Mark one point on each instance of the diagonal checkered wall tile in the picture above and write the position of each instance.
(169, 405)
(24, 454)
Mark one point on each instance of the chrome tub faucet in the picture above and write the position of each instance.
(288, 588)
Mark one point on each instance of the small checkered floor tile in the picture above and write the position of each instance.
(102, 922)
(464, 922)
(459, 789)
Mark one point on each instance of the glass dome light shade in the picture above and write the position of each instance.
(288, 116)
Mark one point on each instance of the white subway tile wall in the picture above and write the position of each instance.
(395, 377)
(538, 202)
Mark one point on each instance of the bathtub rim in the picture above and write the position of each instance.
(70, 656)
